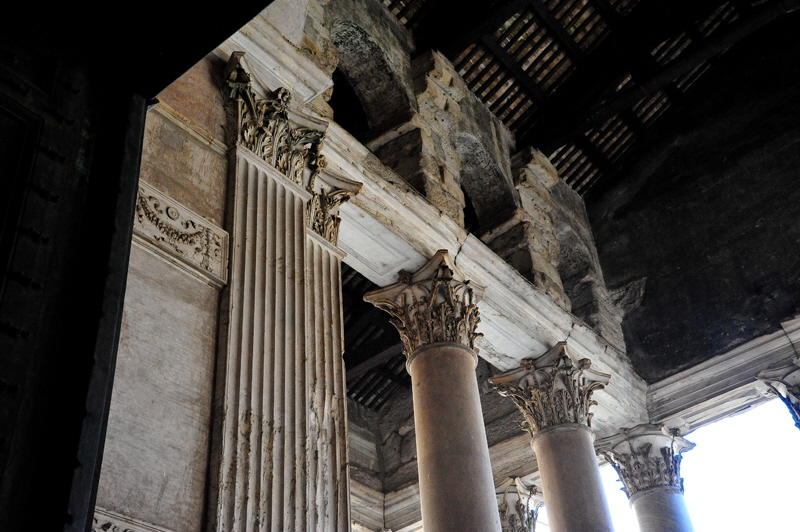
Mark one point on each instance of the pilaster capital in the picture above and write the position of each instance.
(328, 193)
(646, 456)
(262, 126)
(518, 505)
(785, 382)
(434, 304)
(552, 389)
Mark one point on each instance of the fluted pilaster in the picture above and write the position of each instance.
(280, 414)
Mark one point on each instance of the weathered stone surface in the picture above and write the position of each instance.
(156, 451)
(196, 96)
(179, 165)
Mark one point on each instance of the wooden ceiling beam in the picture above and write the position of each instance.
(631, 37)
(451, 25)
(513, 66)
(665, 76)
(557, 30)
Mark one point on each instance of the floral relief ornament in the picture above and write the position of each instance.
(184, 236)
(645, 457)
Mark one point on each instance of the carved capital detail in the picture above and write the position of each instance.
(184, 237)
(646, 456)
(552, 389)
(263, 127)
(328, 193)
(518, 505)
(784, 381)
(433, 304)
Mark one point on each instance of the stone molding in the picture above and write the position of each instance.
(646, 457)
(784, 381)
(552, 389)
(180, 235)
(434, 304)
(108, 521)
(518, 505)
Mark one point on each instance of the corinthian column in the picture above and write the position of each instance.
(554, 394)
(280, 442)
(648, 459)
(519, 505)
(784, 381)
(435, 312)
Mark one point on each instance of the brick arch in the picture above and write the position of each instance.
(490, 190)
(385, 100)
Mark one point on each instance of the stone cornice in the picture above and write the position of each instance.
(784, 381)
(434, 304)
(646, 457)
(552, 389)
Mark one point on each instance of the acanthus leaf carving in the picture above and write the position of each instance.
(645, 457)
(327, 195)
(263, 127)
(433, 304)
(552, 390)
(519, 506)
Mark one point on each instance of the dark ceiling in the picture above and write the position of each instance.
(582, 80)
(610, 90)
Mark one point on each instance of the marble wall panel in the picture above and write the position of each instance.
(198, 97)
(177, 163)
(156, 451)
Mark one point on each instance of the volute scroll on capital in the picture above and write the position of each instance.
(434, 304)
(552, 389)
(646, 456)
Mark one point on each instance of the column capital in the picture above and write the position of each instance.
(785, 382)
(434, 304)
(552, 389)
(645, 457)
(519, 505)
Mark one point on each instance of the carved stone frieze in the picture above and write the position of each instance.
(433, 304)
(166, 226)
(263, 127)
(784, 381)
(107, 521)
(646, 456)
(552, 389)
(518, 505)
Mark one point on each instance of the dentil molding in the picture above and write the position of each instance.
(108, 521)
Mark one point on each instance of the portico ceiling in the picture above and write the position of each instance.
(583, 80)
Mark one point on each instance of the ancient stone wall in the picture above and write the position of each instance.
(156, 453)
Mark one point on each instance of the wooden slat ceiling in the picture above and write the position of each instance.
(582, 80)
